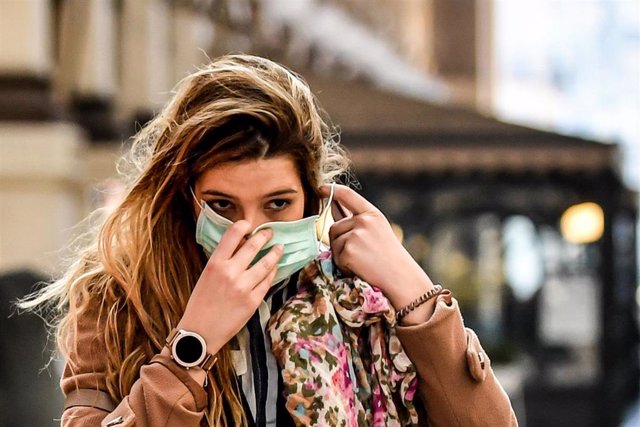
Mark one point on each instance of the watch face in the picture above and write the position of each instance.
(189, 350)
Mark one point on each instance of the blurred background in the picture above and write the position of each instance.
(501, 137)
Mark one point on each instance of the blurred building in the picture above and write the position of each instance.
(481, 204)
(532, 231)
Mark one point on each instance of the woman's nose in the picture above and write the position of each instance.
(255, 219)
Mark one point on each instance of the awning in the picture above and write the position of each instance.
(390, 132)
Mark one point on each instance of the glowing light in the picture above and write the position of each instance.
(582, 223)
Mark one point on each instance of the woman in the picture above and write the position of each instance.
(166, 318)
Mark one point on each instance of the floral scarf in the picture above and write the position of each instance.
(342, 363)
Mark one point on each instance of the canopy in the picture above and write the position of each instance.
(395, 133)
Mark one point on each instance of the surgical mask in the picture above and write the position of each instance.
(301, 240)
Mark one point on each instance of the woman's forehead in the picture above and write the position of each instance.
(251, 177)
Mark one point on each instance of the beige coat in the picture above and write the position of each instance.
(457, 384)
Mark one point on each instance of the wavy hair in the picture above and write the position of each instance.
(143, 263)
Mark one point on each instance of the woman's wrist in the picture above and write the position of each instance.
(214, 343)
(408, 288)
(407, 285)
(421, 309)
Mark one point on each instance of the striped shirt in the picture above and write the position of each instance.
(256, 369)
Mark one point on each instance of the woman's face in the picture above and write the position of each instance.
(257, 191)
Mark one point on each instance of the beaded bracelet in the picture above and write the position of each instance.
(418, 302)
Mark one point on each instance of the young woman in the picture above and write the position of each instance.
(208, 298)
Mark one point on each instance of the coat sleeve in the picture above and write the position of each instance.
(164, 394)
(456, 382)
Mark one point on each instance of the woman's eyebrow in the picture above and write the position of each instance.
(271, 194)
(217, 193)
(281, 192)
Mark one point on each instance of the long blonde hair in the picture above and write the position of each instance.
(144, 262)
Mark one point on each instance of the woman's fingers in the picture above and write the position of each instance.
(337, 245)
(231, 239)
(339, 212)
(249, 249)
(341, 257)
(341, 227)
(266, 267)
(348, 198)
(261, 289)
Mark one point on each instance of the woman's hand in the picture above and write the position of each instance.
(228, 291)
(364, 244)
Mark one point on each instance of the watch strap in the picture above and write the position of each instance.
(208, 362)
(171, 337)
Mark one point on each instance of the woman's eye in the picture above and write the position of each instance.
(220, 205)
(278, 204)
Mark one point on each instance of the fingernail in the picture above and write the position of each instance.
(279, 248)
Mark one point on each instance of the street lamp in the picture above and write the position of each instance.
(582, 223)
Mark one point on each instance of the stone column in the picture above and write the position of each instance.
(86, 72)
(87, 39)
(25, 60)
(40, 195)
(40, 201)
(41, 198)
(455, 50)
(145, 66)
(25, 44)
(485, 55)
(414, 32)
(192, 35)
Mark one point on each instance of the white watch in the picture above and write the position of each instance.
(189, 350)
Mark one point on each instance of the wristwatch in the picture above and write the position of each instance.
(189, 349)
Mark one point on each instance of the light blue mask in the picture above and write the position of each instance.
(301, 239)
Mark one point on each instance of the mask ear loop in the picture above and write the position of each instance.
(324, 214)
(199, 202)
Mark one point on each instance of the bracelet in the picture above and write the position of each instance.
(418, 302)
